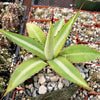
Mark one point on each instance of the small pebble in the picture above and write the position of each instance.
(54, 78)
(34, 94)
(60, 85)
(42, 89)
(42, 79)
(66, 82)
(35, 78)
(36, 85)
(50, 88)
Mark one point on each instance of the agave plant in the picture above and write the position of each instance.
(49, 51)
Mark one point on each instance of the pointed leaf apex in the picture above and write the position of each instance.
(49, 44)
(31, 67)
(58, 26)
(35, 32)
(80, 53)
(63, 34)
(64, 68)
(5, 93)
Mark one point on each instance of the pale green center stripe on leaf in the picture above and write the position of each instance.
(26, 43)
(60, 40)
(66, 70)
(30, 67)
(73, 54)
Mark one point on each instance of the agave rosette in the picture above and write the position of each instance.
(49, 51)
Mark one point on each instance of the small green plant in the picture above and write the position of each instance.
(50, 51)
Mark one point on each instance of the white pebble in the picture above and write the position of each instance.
(66, 83)
(60, 85)
(42, 89)
(98, 97)
(42, 79)
(54, 79)
(50, 88)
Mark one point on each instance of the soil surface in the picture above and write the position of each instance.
(59, 3)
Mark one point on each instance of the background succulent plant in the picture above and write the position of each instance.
(49, 51)
(5, 54)
(15, 9)
(10, 21)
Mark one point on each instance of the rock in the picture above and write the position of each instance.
(98, 22)
(55, 88)
(90, 33)
(81, 71)
(39, 12)
(28, 57)
(96, 76)
(84, 16)
(26, 86)
(91, 96)
(60, 85)
(23, 99)
(35, 78)
(42, 89)
(34, 94)
(86, 75)
(95, 86)
(21, 91)
(93, 65)
(54, 79)
(30, 86)
(52, 84)
(86, 70)
(36, 85)
(49, 71)
(64, 12)
(32, 89)
(99, 69)
(61, 79)
(51, 75)
(50, 88)
(85, 92)
(74, 95)
(47, 78)
(28, 92)
(42, 79)
(66, 83)
(39, 75)
(98, 97)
